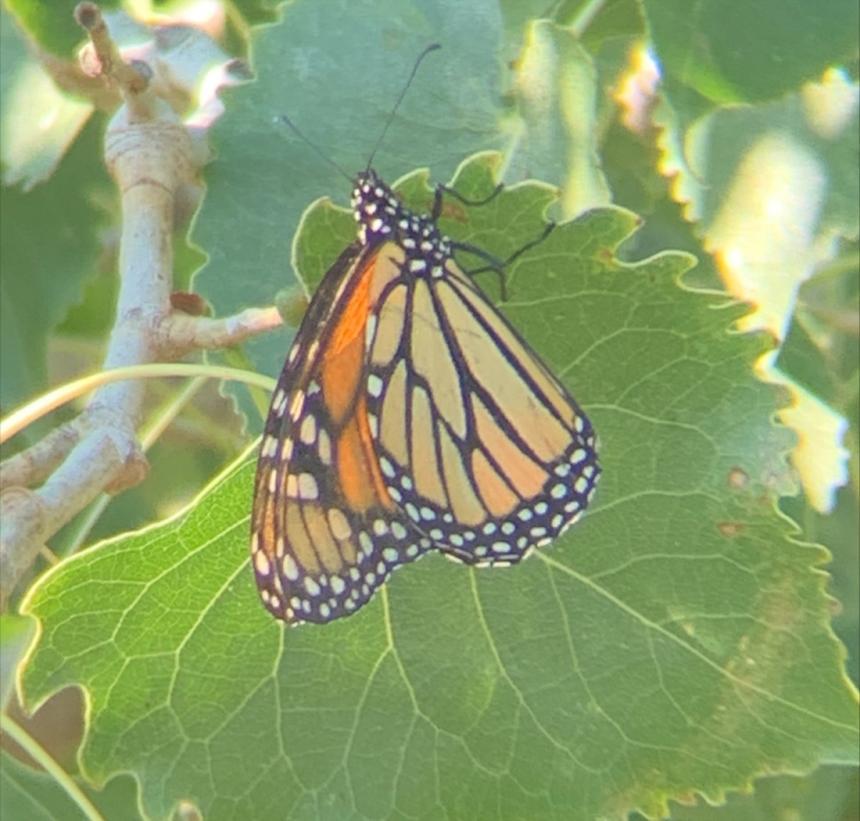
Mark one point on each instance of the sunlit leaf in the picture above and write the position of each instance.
(771, 188)
(676, 640)
(731, 51)
(39, 122)
(557, 93)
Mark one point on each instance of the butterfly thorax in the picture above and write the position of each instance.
(382, 217)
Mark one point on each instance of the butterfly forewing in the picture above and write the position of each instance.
(325, 531)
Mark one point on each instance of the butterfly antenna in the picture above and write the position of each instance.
(283, 119)
(431, 47)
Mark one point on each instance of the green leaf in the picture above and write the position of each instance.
(822, 349)
(48, 241)
(596, 23)
(838, 531)
(676, 640)
(809, 137)
(771, 188)
(822, 353)
(40, 121)
(29, 794)
(557, 97)
(828, 794)
(257, 12)
(53, 24)
(49, 247)
(730, 51)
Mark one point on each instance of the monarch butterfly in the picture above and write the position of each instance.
(409, 416)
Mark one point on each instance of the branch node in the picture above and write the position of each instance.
(134, 470)
(88, 16)
(104, 57)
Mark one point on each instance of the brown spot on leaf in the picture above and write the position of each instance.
(454, 211)
(730, 529)
(738, 478)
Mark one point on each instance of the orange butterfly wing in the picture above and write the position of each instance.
(325, 531)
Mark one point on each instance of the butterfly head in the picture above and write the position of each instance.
(375, 207)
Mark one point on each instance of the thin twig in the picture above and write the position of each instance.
(50, 401)
(132, 78)
(181, 332)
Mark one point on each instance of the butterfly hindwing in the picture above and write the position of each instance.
(480, 446)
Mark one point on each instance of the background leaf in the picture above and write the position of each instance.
(773, 188)
(31, 794)
(557, 99)
(32, 145)
(729, 51)
(51, 24)
(829, 792)
(48, 251)
(16, 634)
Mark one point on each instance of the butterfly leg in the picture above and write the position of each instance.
(494, 263)
(441, 190)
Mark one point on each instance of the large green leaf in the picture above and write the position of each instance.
(731, 51)
(49, 246)
(32, 145)
(677, 639)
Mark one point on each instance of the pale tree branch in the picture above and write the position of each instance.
(154, 159)
(34, 465)
(181, 332)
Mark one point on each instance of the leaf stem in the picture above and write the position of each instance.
(29, 413)
(39, 754)
(586, 15)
